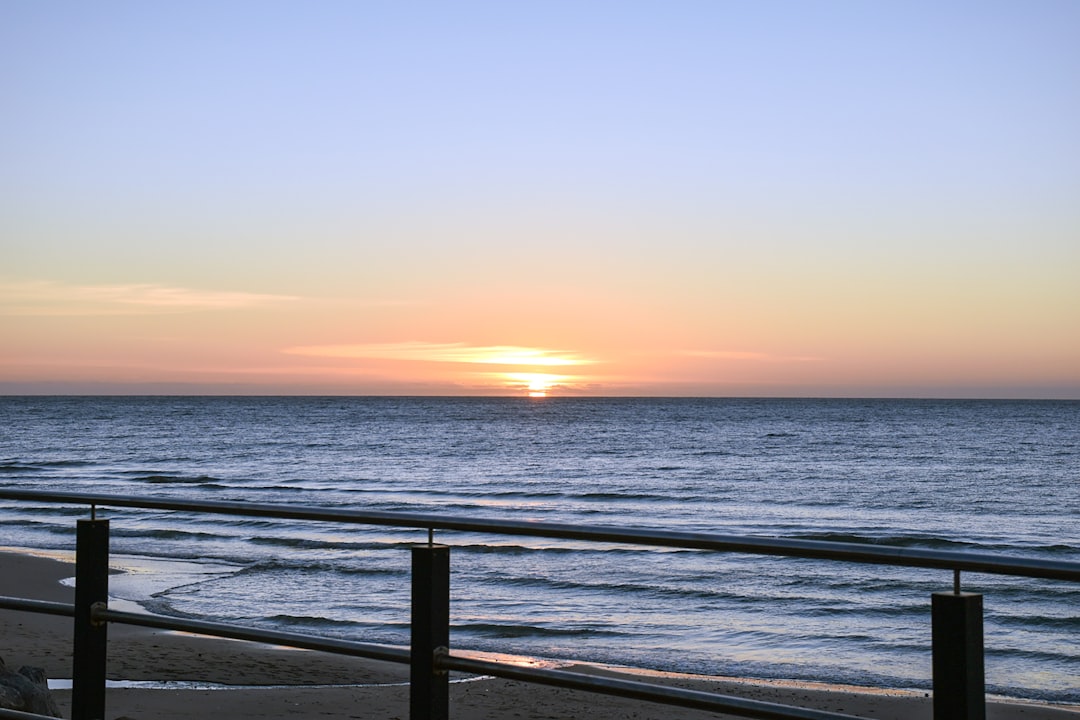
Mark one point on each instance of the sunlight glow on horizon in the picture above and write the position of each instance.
(520, 362)
(536, 384)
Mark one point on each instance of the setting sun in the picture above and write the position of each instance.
(537, 384)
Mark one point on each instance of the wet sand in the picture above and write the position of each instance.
(282, 683)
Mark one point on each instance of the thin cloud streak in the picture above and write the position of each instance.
(50, 298)
(749, 355)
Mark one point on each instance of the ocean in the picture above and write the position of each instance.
(987, 476)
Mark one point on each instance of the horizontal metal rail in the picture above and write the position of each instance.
(696, 699)
(759, 545)
(370, 651)
(44, 607)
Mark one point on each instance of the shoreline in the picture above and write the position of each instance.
(278, 682)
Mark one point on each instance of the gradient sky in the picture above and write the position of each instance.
(606, 198)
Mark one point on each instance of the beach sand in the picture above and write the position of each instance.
(365, 688)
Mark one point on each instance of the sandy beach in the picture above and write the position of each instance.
(275, 682)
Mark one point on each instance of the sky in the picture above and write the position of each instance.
(687, 198)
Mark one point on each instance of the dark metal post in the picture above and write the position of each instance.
(429, 688)
(959, 678)
(91, 588)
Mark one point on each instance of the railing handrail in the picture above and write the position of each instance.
(371, 651)
(956, 560)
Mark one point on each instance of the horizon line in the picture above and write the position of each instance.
(534, 398)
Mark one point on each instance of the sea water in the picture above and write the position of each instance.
(986, 476)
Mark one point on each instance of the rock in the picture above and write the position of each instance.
(26, 690)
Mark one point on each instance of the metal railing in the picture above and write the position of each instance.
(957, 632)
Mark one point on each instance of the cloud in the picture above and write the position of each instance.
(446, 353)
(60, 299)
(748, 355)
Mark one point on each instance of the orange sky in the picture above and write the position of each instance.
(158, 339)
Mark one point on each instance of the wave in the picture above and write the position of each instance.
(618, 588)
(931, 542)
(18, 467)
(1036, 622)
(162, 534)
(485, 493)
(626, 496)
(499, 630)
(308, 621)
(28, 466)
(48, 510)
(1000, 653)
(840, 611)
(567, 494)
(165, 479)
(320, 566)
(576, 550)
(1068, 696)
(313, 544)
(39, 525)
(1048, 591)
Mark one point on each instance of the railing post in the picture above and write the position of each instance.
(959, 678)
(91, 588)
(429, 689)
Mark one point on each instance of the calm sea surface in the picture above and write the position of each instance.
(994, 476)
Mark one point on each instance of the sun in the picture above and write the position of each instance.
(536, 385)
(538, 389)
